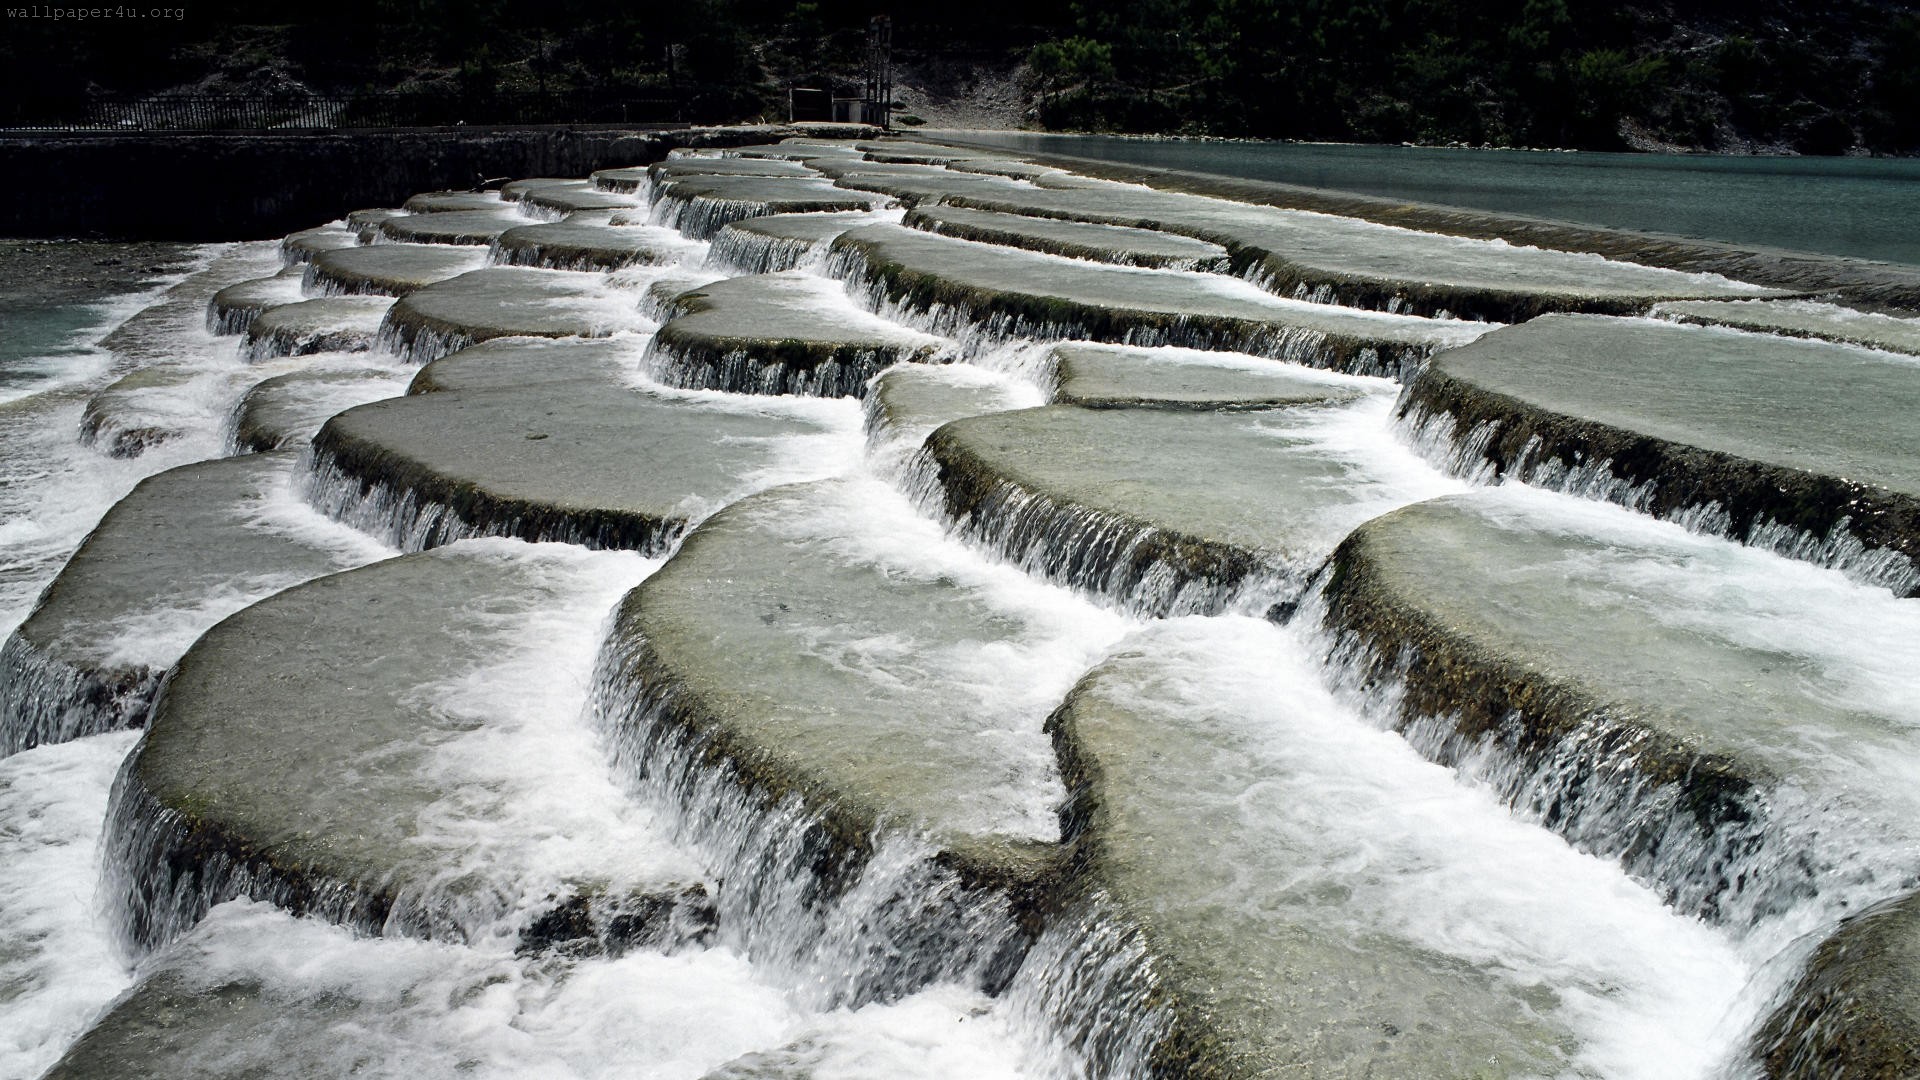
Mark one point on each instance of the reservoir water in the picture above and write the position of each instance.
(1857, 207)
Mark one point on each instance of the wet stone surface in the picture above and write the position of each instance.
(326, 324)
(1160, 510)
(1802, 446)
(1049, 296)
(1119, 376)
(1801, 318)
(1080, 240)
(1362, 264)
(287, 410)
(1743, 690)
(532, 461)
(577, 244)
(509, 302)
(184, 549)
(789, 333)
(390, 269)
(472, 227)
(390, 677)
(824, 657)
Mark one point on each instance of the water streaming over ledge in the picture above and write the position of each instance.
(854, 923)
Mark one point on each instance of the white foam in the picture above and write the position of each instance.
(534, 800)
(1418, 857)
(58, 967)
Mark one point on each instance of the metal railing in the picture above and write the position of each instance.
(226, 112)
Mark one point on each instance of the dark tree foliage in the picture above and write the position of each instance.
(1726, 74)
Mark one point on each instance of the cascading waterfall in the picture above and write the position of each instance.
(1470, 455)
(843, 919)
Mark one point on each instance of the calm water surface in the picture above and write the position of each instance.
(1863, 207)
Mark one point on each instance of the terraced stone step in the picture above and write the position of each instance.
(252, 993)
(1309, 898)
(234, 308)
(676, 168)
(1727, 724)
(326, 324)
(508, 302)
(365, 224)
(1075, 239)
(441, 202)
(914, 184)
(1163, 511)
(1855, 1011)
(789, 333)
(390, 748)
(586, 459)
(908, 403)
(813, 640)
(576, 244)
(1362, 264)
(131, 415)
(176, 321)
(1801, 318)
(516, 190)
(182, 550)
(288, 410)
(512, 363)
(470, 227)
(777, 242)
(957, 285)
(1124, 377)
(389, 269)
(301, 247)
(557, 201)
(1802, 447)
(701, 206)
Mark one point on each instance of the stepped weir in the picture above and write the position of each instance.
(868, 608)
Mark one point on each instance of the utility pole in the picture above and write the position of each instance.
(879, 88)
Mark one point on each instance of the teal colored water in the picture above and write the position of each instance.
(1859, 207)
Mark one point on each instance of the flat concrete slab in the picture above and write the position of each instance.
(587, 461)
(389, 269)
(1801, 318)
(1696, 709)
(701, 206)
(509, 302)
(817, 636)
(156, 334)
(677, 168)
(791, 333)
(576, 244)
(470, 227)
(394, 748)
(958, 285)
(1276, 860)
(1124, 377)
(287, 410)
(326, 324)
(1799, 446)
(776, 242)
(234, 308)
(365, 224)
(1163, 511)
(1362, 264)
(184, 549)
(1075, 239)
